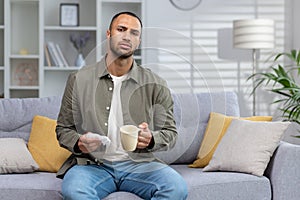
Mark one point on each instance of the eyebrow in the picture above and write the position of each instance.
(125, 27)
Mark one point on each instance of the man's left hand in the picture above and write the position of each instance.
(144, 137)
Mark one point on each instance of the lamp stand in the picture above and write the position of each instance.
(254, 61)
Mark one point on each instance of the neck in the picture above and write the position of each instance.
(118, 66)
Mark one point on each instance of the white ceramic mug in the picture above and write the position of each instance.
(129, 137)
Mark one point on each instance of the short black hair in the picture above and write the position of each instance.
(125, 13)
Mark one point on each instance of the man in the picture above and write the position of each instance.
(99, 99)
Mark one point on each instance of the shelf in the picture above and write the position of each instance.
(24, 87)
(1, 27)
(61, 68)
(24, 93)
(18, 56)
(22, 1)
(76, 28)
(1, 68)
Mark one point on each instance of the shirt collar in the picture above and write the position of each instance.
(132, 74)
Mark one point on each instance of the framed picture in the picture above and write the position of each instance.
(69, 14)
(25, 73)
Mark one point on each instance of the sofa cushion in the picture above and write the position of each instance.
(15, 157)
(224, 185)
(215, 130)
(191, 113)
(247, 146)
(44, 146)
(38, 185)
(18, 122)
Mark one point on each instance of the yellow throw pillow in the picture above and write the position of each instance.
(44, 146)
(215, 130)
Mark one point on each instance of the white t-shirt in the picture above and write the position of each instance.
(114, 151)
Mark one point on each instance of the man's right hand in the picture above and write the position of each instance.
(88, 145)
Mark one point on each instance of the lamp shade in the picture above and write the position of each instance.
(253, 34)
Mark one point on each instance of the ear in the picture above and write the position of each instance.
(108, 34)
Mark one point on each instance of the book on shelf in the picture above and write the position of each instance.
(55, 55)
(47, 56)
(61, 56)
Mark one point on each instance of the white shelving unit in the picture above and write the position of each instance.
(22, 49)
(28, 26)
(53, 32)
(2, 28)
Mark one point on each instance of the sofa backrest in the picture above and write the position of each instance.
(191, 112)
(17, 114)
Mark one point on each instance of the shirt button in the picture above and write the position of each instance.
(110, 88)
(105, 124)
(107, 108)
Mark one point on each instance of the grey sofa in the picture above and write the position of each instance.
(280, 181)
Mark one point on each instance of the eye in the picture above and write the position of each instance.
(121, 29)
(135, 33)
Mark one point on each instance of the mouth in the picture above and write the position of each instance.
(125, 46)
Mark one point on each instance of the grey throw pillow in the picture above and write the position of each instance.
(247, 146)
(15, 157)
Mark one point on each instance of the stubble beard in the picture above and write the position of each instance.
(118, 53)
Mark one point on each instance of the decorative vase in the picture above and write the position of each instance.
(79, 62)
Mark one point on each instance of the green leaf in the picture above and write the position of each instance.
(293, 55)
(281, 79)
(298, 59)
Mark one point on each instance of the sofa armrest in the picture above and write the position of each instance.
(284, 172)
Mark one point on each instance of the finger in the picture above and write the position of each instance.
(144, 126)
(83, 139)
(143, 142)
(144, 138)
(141, 145)
(146, 134)
(88, 145)
(83, 148)
(90, 148)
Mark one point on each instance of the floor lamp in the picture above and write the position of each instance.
(253, 34)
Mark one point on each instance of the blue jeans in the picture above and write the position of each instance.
(148, 180)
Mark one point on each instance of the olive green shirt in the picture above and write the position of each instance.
(85, 107)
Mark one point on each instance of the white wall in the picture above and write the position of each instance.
(164, 16)
(191, 37)
(293, 42)
(295, 24)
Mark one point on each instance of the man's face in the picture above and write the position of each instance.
(124, 36)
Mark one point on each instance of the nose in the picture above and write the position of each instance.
(126, 35)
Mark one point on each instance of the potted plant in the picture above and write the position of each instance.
(283, 82)
(79, 42)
